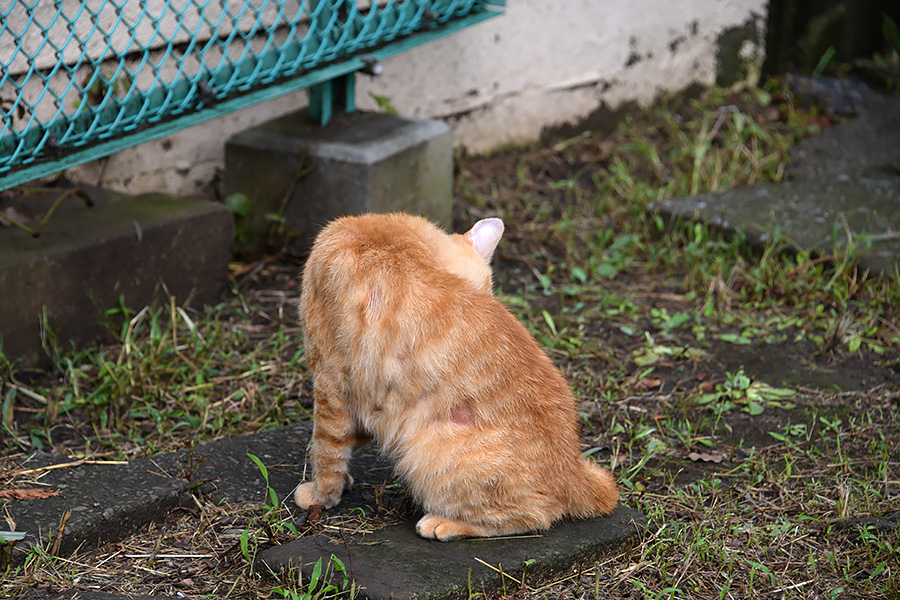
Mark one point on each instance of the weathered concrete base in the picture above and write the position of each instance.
(361, 162)
(86, 258)
(394, 563)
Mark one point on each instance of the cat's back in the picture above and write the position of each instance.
(369, 277)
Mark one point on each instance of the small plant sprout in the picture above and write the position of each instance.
(739, 391)
(321, 583)
(272, 524)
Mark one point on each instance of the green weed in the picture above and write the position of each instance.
(319, 584)
(739, 391)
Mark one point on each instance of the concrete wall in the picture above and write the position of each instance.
(544, 64)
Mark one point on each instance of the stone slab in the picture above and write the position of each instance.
(359, 162)
(76, 594)
(395, 564)
(109, 502)
(870, 142)
(844, 182)
(813, 214)
(87, 257)
(229, 475)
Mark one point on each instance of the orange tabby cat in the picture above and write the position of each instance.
(408, 346)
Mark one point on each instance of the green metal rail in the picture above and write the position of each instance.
(80, 80)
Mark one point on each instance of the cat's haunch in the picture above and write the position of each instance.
(408, 346)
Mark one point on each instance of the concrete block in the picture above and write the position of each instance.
(86, 258)
(359, 162)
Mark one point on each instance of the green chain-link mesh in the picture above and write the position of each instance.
(74, 73)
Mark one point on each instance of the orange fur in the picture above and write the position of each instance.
(407, 345)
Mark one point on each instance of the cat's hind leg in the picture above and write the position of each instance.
(436, 527)
(333, 441)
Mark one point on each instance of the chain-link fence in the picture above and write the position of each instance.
(80, 79)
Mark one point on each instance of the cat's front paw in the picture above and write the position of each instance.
(305, 495)
(321, 492)
(434, 527)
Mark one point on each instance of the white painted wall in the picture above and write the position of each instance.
(543, 64)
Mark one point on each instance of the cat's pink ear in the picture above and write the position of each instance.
(485, 235)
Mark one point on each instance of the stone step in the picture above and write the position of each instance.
(394, 563)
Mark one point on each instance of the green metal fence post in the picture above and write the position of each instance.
(321, 101)
(339, 92)
(347, 97)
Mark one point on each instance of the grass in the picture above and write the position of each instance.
(172, 375)
(746, 399)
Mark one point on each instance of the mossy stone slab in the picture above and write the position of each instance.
(816, 214)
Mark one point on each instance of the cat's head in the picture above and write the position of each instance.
(471, 252)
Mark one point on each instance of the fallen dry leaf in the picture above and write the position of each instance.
(648, 383)
(28, 494)
(314, 514)
(715, 457)
(770, 114)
